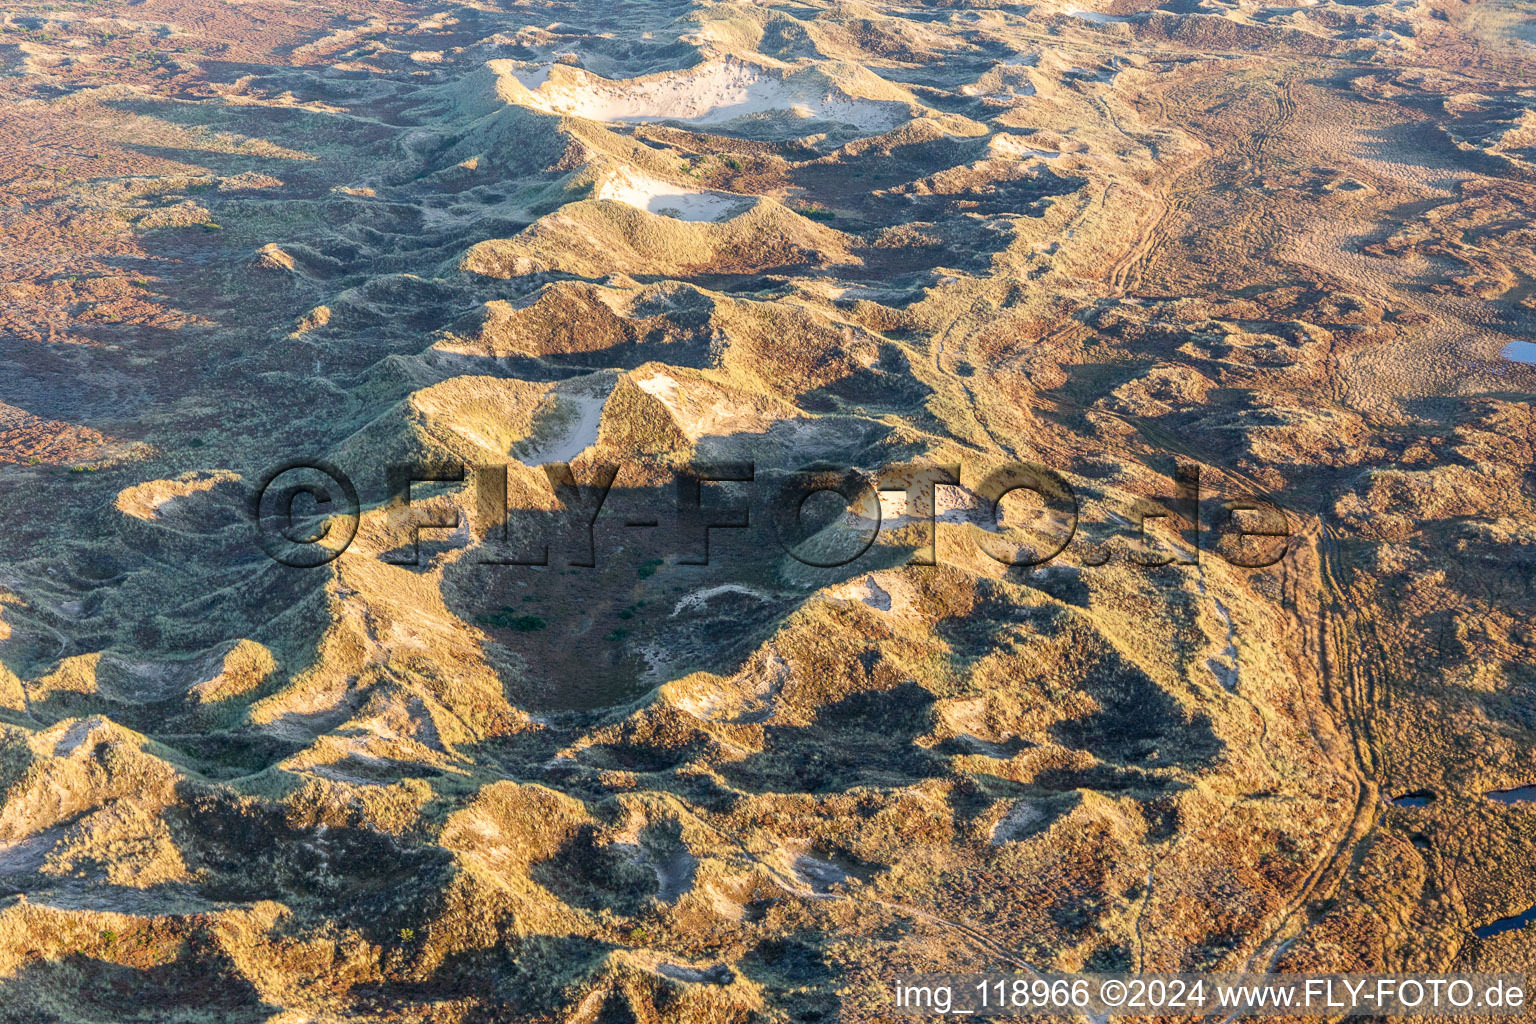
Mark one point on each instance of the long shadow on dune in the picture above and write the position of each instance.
(201, 983)
(862, 740)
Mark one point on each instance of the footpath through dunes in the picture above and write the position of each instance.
(437, 778)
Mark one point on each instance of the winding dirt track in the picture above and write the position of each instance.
(1336, 664)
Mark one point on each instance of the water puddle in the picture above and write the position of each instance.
(1419, 798)
(1524, 794)
(1505, 924)
(1520, 352)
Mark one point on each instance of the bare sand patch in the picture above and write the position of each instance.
(679, 202)
(713, 93)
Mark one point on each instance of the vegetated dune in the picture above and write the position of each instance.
(773, 347)
(597, 237)
(572, 320)
(148, 500)
(492, 414)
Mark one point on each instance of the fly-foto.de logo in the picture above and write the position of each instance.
(308, 512)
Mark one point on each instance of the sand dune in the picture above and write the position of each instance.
(712, 94)
(661, 197)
